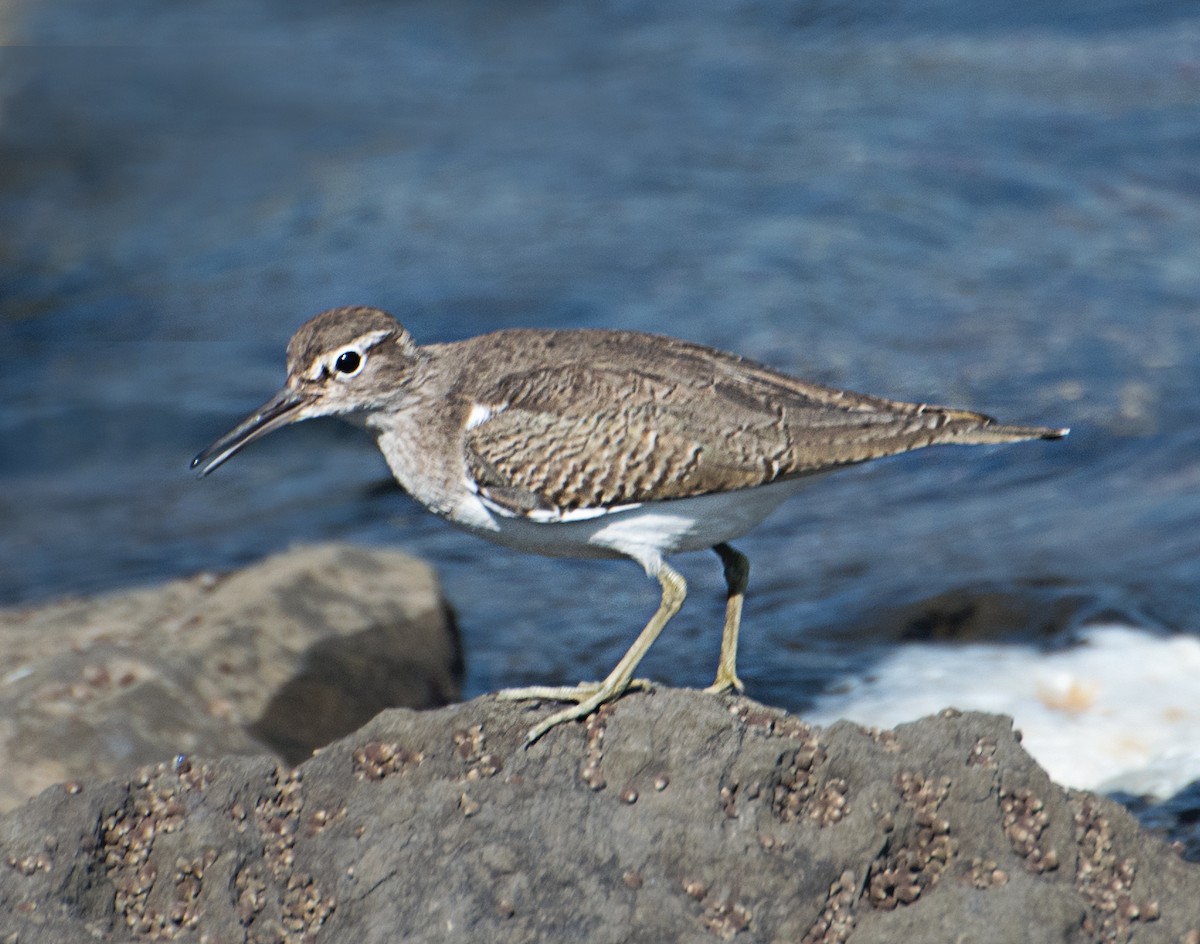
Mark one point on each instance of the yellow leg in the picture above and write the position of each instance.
(737, 575)
(591, 695)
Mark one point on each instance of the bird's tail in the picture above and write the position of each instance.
(976, 429)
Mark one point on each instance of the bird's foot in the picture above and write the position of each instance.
(726, 682)
(576, 693)
(588, 696)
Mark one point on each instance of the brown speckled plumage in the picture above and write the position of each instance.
(601, 418)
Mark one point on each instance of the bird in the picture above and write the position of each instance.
(594, 443)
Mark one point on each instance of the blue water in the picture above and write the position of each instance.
(994, 206)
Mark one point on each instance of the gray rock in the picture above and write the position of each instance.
(670, 816)
(283, 656)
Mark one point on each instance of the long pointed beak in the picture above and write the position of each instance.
(283, 408)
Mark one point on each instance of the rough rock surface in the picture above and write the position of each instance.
(282, 656)
(670, 816)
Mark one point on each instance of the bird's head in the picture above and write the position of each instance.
(340, 362)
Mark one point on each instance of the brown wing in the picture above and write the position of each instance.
(674, 420)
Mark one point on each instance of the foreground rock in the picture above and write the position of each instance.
(672, 816)
(283, 656)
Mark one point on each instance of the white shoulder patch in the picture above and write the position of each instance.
(482, 412)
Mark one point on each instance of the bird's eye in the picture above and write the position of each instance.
(348, 362)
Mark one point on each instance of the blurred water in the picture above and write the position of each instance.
(997, 208)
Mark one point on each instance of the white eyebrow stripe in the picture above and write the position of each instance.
(365, 342)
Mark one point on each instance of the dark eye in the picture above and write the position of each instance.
(348, 362)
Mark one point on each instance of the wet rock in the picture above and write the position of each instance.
(282, 657)
(974, 615)
(440, 826)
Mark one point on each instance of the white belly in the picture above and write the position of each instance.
(646, 532)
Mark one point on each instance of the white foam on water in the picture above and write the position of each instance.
(1118, 711)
